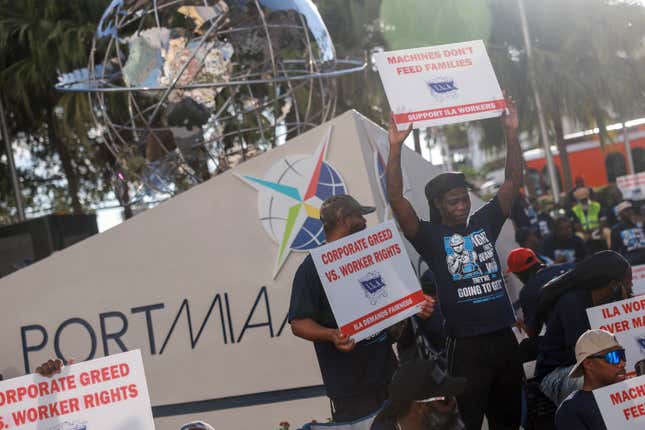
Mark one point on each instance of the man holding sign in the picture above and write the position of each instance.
(601, 359)
(356, 375)
(461, 253)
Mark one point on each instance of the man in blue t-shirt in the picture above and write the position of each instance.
(563, 246)
(601, 359)
(526, 265)
(461, 253)
(628, 236)
(355, 375)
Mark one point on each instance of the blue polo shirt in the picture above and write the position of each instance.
(470, 285)
(369, 366)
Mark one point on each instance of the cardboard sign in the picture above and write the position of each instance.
(437, 85)
(104, 394)
(632, 186)
(638, 278)
(626, 319)
(622, 405)
(369, 281)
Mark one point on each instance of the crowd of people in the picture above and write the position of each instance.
(459, 360)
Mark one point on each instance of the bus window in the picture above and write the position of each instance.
(638, 154)
(615, 164)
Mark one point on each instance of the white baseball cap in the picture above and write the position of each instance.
(589, 343)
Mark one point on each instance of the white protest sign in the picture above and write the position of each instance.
(369, 280)
(103, 394)
(439, 85)
(626, 319)
(638, 278)
(632, 186)
(622, 405)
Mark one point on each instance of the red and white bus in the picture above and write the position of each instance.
(598, 166)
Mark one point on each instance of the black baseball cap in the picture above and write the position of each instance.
(341, 205)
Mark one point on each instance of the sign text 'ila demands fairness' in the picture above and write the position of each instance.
(626, 319)
(622, 405)
(101, 394)
(439, 85)
(368, 280)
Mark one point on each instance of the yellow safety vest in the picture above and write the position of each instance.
(591, 220)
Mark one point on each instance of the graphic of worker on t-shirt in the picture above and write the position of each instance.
(461, 257)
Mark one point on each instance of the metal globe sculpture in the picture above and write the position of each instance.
(182, 90)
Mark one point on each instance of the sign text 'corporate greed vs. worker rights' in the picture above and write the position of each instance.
(622, 405)
(626, 319)
(369, 281)
(439, 85)
(103, 394)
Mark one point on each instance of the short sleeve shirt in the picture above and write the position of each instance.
(579, 411)
(629, 241)
(368, 366)
(571, 250)
(470, 285)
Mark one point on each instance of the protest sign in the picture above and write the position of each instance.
(439, 85)
(103, 394)
(622, 405)
(632, 186)
(626, 319)
(369, 280)
(638, 278)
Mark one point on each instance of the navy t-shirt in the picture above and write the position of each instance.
(572, 249)
(629, 241)
(565, 323)
(471, 289)
(545, 224)
(370, 365)
(579, 411)
(530, 293)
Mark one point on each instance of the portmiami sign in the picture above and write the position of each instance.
(201, 283)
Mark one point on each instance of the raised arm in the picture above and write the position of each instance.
(513, 175)
(403, 210)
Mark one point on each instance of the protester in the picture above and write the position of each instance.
(526, 238)
(545, 221)
(603, 278)
(579, 183)
(523, 214)
(628, 237)
(422, 397)
(534, 274)
(590, 219)
(461, 253)
(600, 359)
(562, 246)
(355, 375)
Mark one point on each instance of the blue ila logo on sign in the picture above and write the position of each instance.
(442, 88)
(373, 286)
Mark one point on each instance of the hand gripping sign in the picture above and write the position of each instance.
(626, 319)
(104, 394)
(440, 85)
(368, 280)
(622, 405)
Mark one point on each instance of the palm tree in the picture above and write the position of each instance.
(37, 40)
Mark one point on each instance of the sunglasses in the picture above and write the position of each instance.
(612, 357)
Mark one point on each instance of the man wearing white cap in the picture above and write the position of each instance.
(628, 237)
(601, 359)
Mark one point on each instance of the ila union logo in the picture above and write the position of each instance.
(289, 198)
(443, 88)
